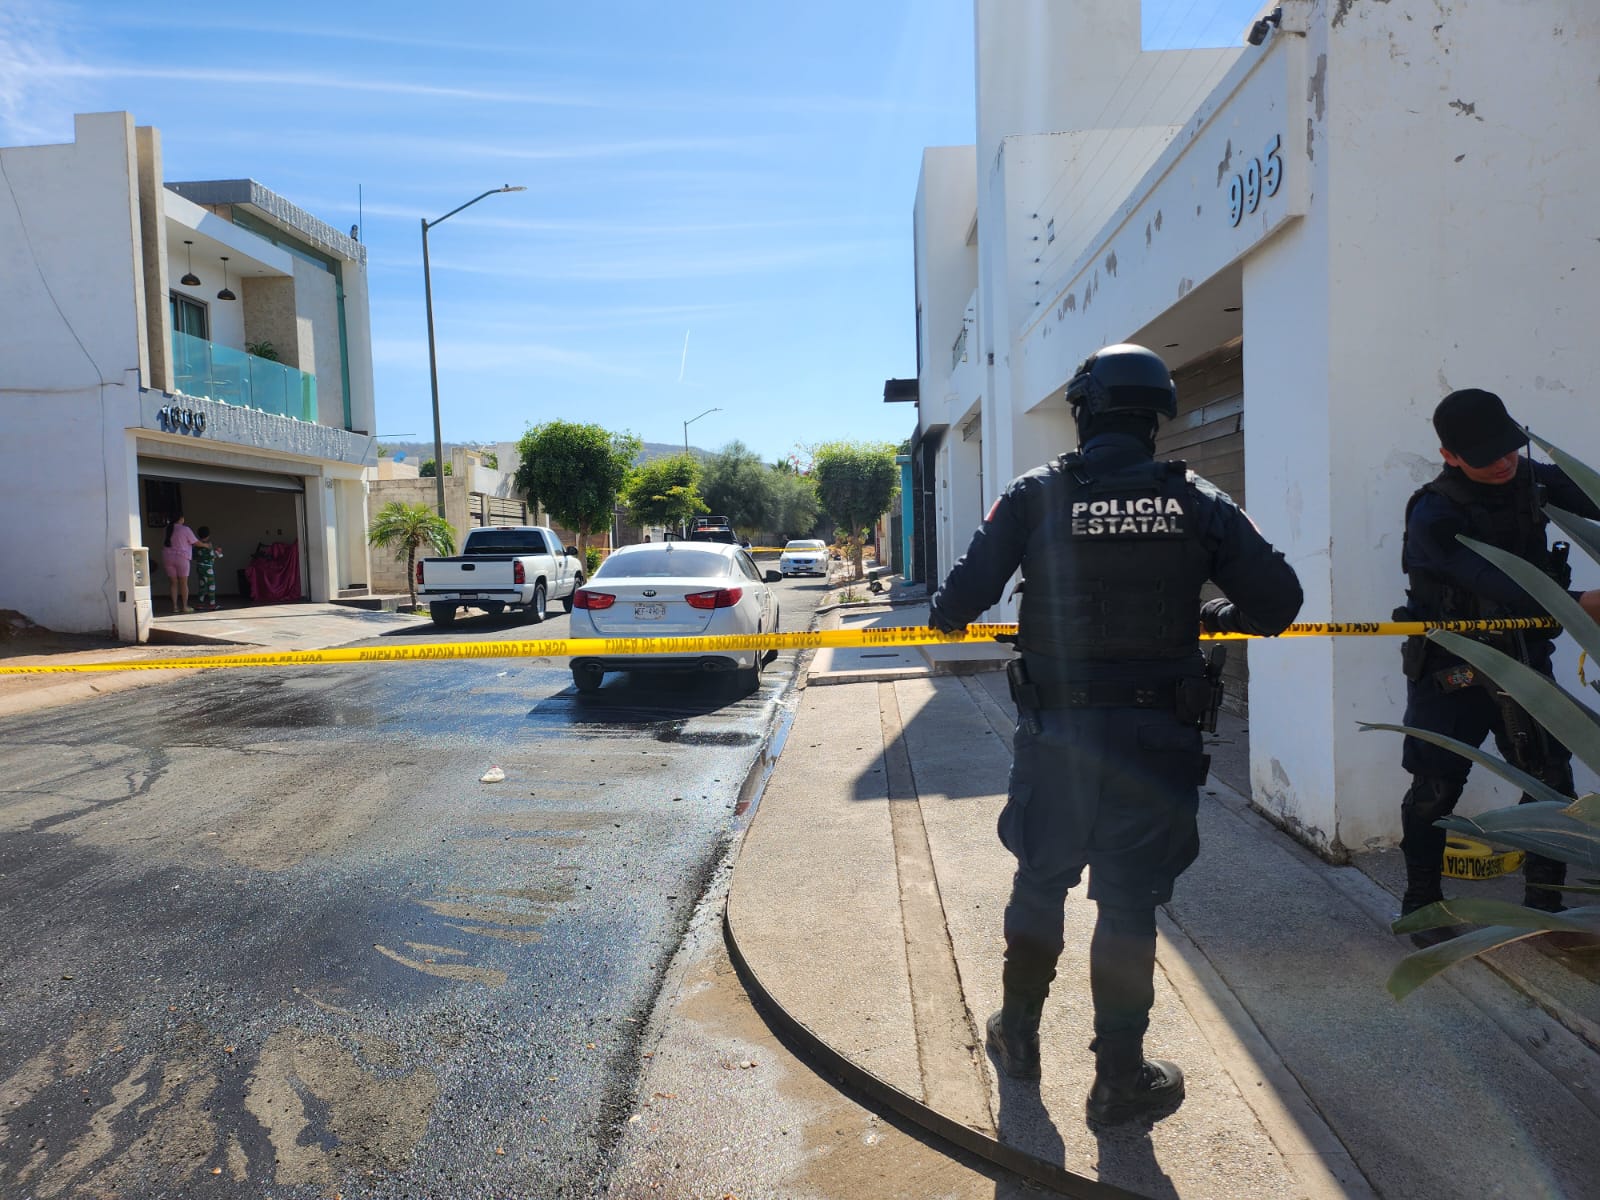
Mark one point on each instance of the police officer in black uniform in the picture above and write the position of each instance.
(1112, 692)
(1489, 491)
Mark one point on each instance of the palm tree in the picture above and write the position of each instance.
(406, 527)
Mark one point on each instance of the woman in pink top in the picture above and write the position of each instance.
(176, 552)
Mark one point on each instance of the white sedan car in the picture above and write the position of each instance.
(804, 557)
(675, 590)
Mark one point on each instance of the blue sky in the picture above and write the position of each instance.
(736, 173)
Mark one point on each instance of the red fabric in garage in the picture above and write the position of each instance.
(275, 575)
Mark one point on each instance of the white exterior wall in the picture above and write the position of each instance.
(1430, 232)
(78, 202)
(1462, 174)
(949, 390)
(71, 356)
(358, 342)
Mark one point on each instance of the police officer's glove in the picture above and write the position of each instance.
(944, 624)
(1212, 616)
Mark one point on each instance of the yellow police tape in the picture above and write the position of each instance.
(1468, 858)
(847, 639)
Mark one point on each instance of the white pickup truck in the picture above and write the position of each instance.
(500, 567)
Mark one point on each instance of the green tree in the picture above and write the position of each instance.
(430, 468)
(405, 527)
(794, 503)
(665, 491)
(491, 460)
(576, 472)
(856, 482)
(738, 484)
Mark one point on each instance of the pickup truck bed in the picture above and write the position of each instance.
(516, 567)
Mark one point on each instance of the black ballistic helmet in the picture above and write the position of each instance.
(1123, 378)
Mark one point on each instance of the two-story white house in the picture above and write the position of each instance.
(1324, 228)
(201, 348)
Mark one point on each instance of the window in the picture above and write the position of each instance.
(189, 316)
(505, 541)
(162, 501)
(664, 564)
(749, 567)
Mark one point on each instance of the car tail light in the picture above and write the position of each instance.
(519, 573)
(584, 598)
(719, 598)
(419, 572)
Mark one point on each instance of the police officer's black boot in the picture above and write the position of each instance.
(1540, 870)
(1013, 1032)
(1422, 842)
(1423, 889)
(1013, 1036)
(1127, 1085)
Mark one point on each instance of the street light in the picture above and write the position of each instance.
(433, 362)
(690, 422)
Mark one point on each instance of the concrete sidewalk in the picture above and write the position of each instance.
(867, 901)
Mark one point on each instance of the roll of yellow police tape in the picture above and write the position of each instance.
(1468, 858)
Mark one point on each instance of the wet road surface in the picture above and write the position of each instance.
(267, 934)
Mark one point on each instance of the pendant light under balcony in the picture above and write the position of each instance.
(190, 279)
(225, 293)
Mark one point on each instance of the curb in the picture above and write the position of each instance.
(182, 637)
(808, 1047)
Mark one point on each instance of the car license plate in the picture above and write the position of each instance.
(649, 612)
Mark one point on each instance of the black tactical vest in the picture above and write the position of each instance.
(1509, 516)
(1114, 564)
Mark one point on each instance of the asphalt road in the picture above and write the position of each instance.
(268, 934)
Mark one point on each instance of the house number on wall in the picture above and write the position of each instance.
(1261, 178)
(180, 420)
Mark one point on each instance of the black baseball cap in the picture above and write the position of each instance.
(1473, 425)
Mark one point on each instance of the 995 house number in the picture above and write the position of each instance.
(1261, 178)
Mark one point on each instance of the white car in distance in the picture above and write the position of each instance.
(807, 556)
(675, 590)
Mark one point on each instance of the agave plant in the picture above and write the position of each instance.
(1553, 825)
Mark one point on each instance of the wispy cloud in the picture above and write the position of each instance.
(34, 107)
(712, 262)
(41, 68)
(567, 320)
(190, 20)
(610, 227)
(307, 143)
(457, 355)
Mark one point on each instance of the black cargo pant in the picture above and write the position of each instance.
(1113, 789)
(1438, 777)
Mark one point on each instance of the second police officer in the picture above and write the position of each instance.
(1488, 490)
(1111, 692)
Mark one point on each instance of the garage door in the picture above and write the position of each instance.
(1208, 434)
(169, 468)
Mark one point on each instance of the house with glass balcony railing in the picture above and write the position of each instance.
(214, 372)
(209, 343)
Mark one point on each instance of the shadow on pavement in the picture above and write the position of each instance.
(645, 699)
(512, 625)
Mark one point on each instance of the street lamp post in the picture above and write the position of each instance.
(690, 422)
(433, 361)
(683, 528)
